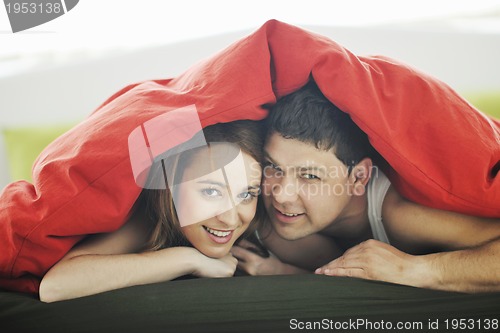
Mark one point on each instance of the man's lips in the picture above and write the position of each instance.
(287, 217)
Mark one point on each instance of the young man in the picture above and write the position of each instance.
(332, 211)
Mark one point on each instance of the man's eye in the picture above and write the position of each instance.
(310, 176)
(272, 166)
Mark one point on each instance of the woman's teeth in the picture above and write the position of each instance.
(289, 214)
(218, 233)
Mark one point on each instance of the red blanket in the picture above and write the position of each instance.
(442, 152)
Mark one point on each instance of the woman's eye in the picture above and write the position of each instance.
(211, 192)
(247, 196)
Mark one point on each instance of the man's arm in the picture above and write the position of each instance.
(472, 270)
(469, 249)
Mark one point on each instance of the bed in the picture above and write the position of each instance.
(254, 304)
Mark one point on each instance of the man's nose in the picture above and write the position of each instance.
(284, 189)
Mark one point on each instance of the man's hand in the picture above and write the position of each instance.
(374, 260)
(254, 264)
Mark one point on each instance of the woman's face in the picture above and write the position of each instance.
(214, 209)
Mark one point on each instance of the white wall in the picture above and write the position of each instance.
(61, 94)
(67, 93)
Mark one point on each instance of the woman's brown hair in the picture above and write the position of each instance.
(157, 206)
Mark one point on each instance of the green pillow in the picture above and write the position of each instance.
(24, 144)
(487, 102)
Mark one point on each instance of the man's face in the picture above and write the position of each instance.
(305, 190)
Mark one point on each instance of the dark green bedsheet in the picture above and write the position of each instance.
(251, 304)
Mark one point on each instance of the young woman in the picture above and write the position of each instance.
(186, 229)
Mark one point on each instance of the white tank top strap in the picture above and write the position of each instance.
(375, 192)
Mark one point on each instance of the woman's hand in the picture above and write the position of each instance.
(215, 268)
(254, 264)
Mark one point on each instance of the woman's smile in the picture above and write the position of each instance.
(219, 236)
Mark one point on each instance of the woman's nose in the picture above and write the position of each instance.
(229, 217)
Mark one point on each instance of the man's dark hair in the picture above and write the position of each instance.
(308, 116)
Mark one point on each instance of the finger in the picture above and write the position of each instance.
(242, 265)
(244, 243)
(346, 272)
(319, 270)
(346, 261)
(246, 267)
(240, 253)
(244, 254)
(333, 263)
(253, 248)
(370, 267)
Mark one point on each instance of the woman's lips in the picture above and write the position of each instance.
(219, 236)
